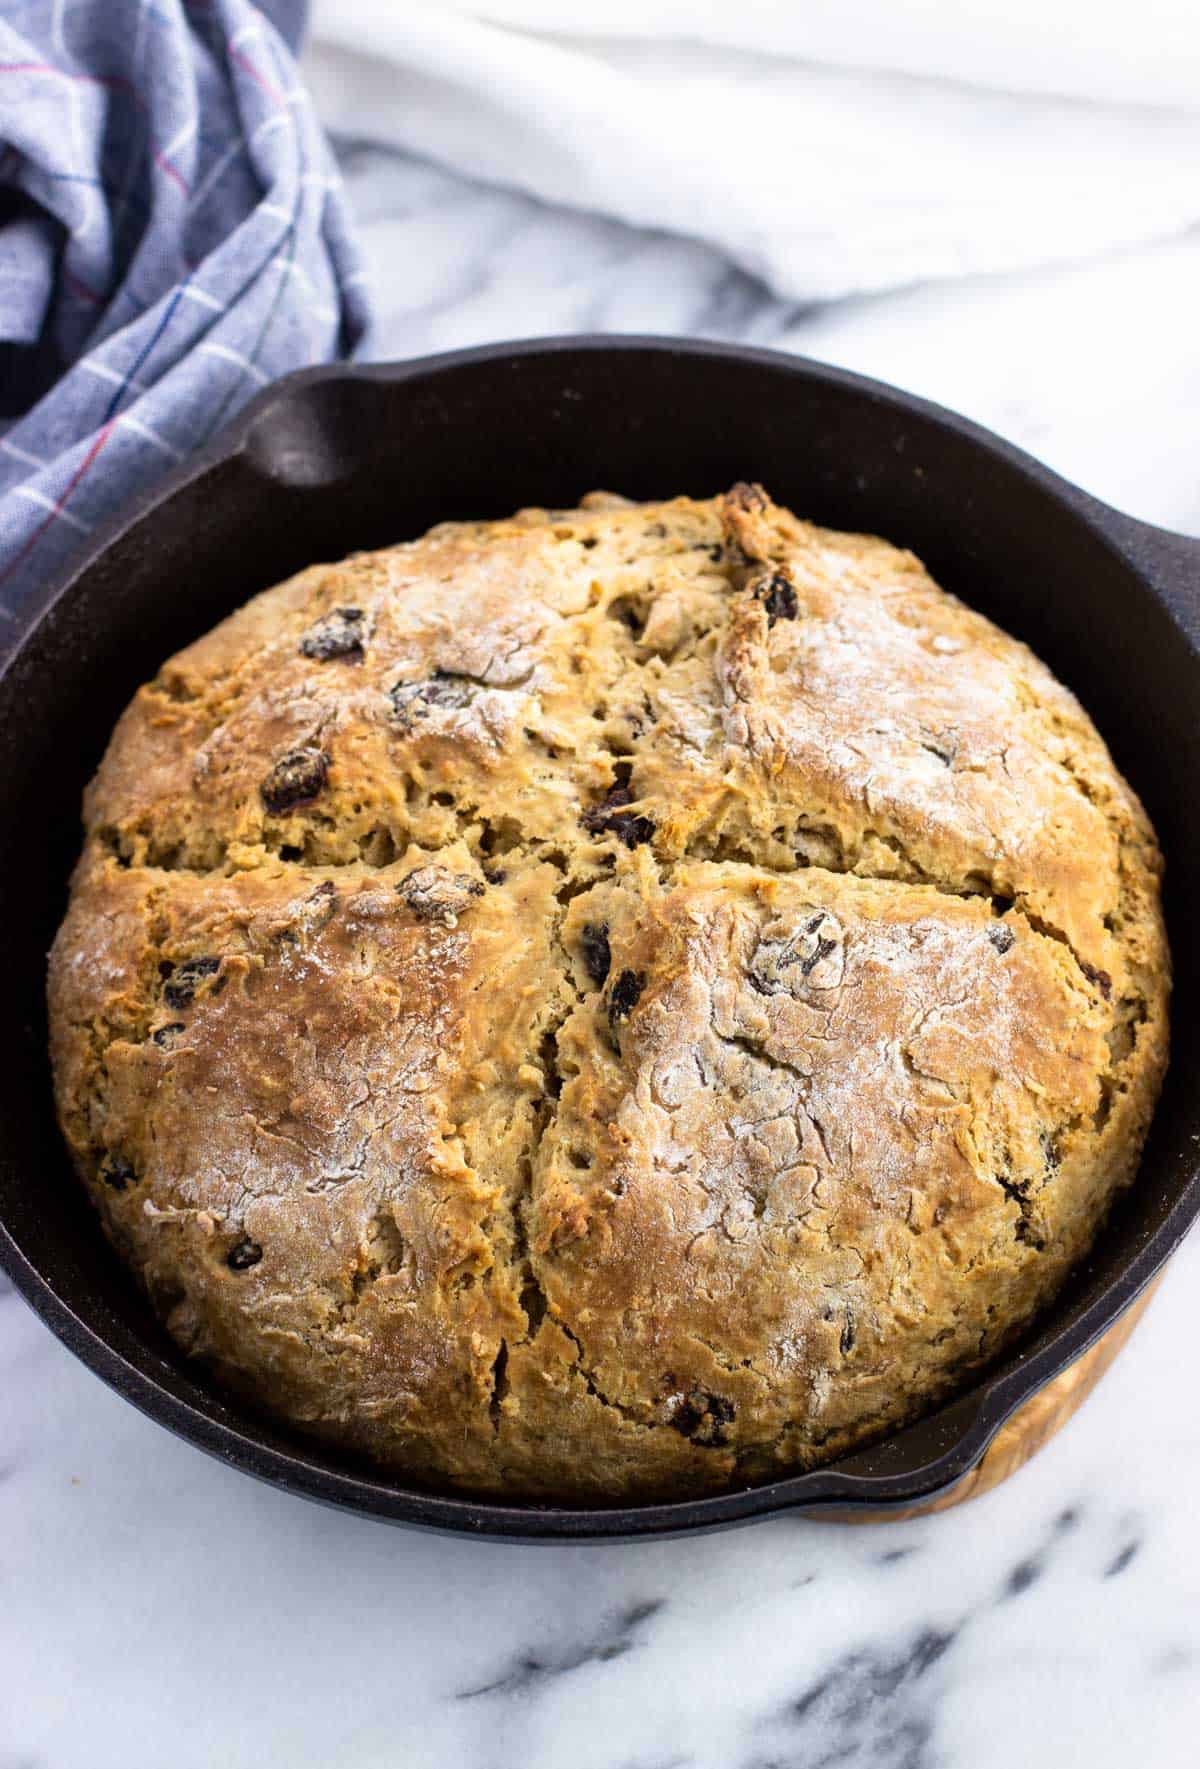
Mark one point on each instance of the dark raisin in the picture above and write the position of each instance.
(118, 1173)
(1101, 978)
(295, 779)
(634, 831)
(340, 634)
(597, 958)
(180, 988)
(703, 1418)
(780, 964)
(1002, 937)
(610, 817)
(716, 552)
(415, 700)
(435, 894)
(244, 1255)
(777, 594)
(624, 995)
(166, 1035)
(596, 819)
(846, 1342)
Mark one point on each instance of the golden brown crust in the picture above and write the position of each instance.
(608, 1003)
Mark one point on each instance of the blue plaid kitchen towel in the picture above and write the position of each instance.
(172, 236)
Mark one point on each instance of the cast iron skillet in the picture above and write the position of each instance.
(334, 459)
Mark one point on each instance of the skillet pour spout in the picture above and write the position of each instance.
(333, 460)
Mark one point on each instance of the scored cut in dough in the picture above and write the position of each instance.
(611, 1003)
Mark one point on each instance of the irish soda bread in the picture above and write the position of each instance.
(616, 1002)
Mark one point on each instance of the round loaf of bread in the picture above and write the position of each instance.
(617, 1002)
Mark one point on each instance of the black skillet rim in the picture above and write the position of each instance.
(256, 1448)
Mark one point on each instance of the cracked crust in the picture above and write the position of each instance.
(610, 1003)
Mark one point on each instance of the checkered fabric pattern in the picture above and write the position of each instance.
(172, 237)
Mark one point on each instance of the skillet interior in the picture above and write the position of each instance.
(334, 460)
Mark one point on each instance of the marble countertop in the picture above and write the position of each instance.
(158, 1608)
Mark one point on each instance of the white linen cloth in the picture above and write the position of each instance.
(829, 147)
